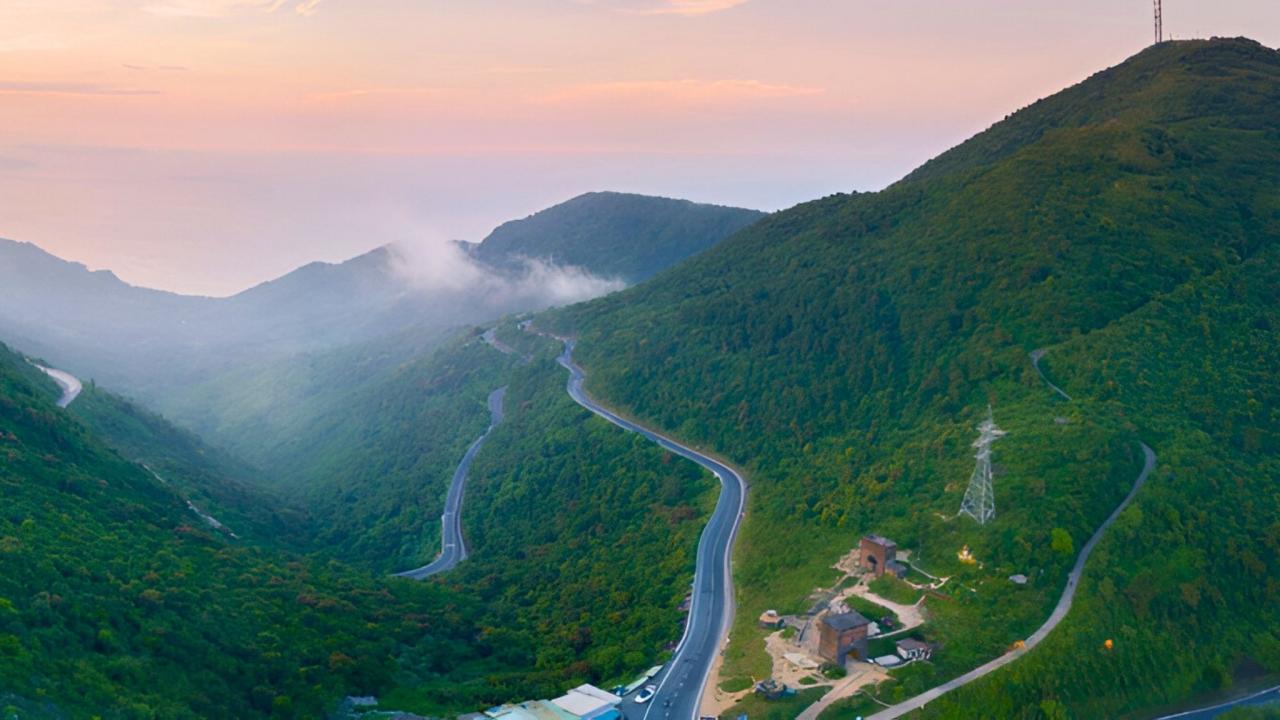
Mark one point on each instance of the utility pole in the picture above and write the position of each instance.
(1159, 22)
(979, 499)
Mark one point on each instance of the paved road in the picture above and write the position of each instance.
(1059, 612)
(1035, 363)
(71, 386)
(681, 683)
(453, 548)
(1269, 697)
(491, 336)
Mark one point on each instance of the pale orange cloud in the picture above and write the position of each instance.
(224, 8)
(25, 43)
(357, 93)
(68, 88)
(688, 91)
(690, 7)
(666, 7)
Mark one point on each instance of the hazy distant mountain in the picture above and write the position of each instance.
(159, 346)
(613, 234)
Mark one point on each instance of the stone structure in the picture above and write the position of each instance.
(771, 619)
(877, 553)
(841, 634)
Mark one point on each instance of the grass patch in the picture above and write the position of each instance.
(758, 708)
(872, 611)
(858, 706)
(736, 684)
(914, 575)
(808, 680)
(833, 672)
(891, 588)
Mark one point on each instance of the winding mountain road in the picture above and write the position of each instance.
(70, 385)
(683, 679)
(1064, 602)
(453, 548)
(1035, 363)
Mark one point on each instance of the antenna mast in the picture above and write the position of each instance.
(1159, 22)
(979, 500)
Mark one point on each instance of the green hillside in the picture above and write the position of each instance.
(116, 602)
(613, 234)
(217, 483)
(844, 350)
(373, 470)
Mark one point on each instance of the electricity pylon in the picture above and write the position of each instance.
(979, 499)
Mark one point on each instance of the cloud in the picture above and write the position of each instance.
(10, 163)
(689, 7)
(31, 42)
(149, 68)
(68, 88)
(225, 8)
(666, 7)
(688, 90)
(446, 271)
(373, 92)
(515, 69)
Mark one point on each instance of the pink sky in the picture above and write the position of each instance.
(206, 145)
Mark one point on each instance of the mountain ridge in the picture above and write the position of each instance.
(840, 351)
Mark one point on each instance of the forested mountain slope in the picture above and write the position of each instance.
(219, 485)
(373, 470)
(842, 351)
(613, 234)
(117, 602)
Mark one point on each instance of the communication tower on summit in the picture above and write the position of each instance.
(979, 499)
(1159, 22)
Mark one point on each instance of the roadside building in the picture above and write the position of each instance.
(587, 702)
(877, 552)
(531, 710)
(912, 649)
(842, 634)
(770, 619)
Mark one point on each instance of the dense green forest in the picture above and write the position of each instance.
(117, 602)
(373, 470)
(613, 234)
(581, 539)
(216, 482)
(844, 350)
(122, 602)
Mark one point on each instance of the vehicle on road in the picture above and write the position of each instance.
(646, 694)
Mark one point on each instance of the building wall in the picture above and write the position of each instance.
(880, 554)
(836, 646)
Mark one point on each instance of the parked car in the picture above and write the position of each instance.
(646, 694)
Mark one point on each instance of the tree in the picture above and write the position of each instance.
(1061, 542)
